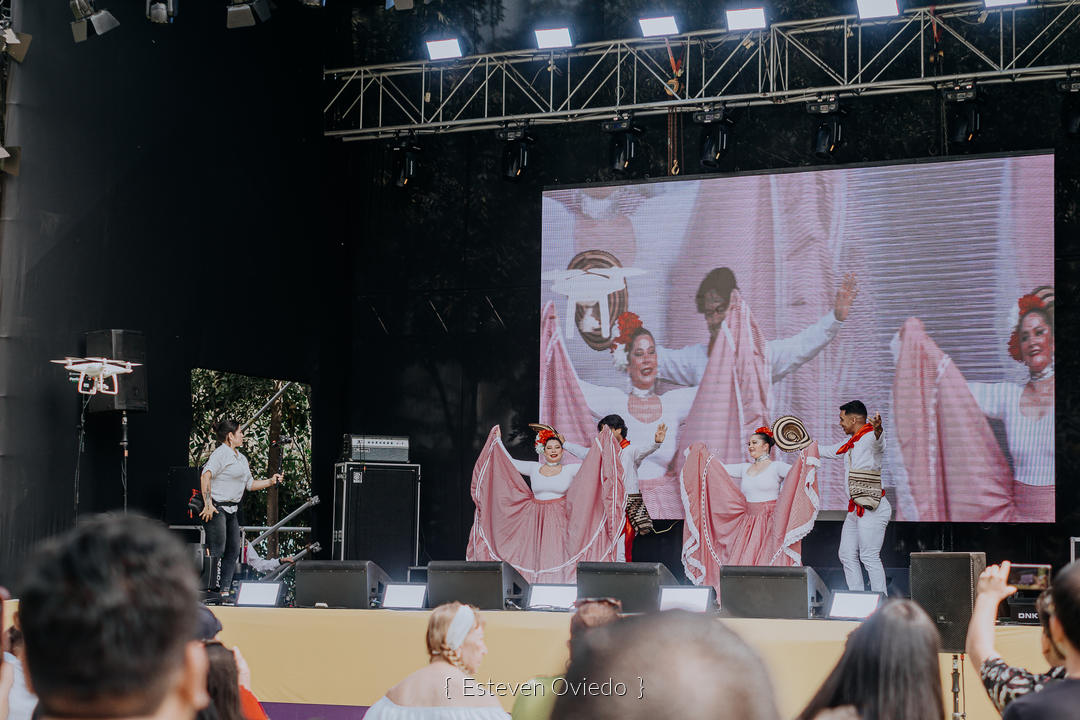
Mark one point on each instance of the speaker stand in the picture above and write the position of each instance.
(79, 453)
(957, 714)
(124, 457)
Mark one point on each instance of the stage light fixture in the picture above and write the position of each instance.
(10, 161)
(552, 597)
(1070, 105)
(161, 11)
(870, 9)
(553, 38)
(695, 599)
(444, 49)
(313, 3)
(16, 45)
(827, 137)
(404, 596)
(259, 594)
(245, 13)
(964, 123)
(399, 4)
(515, 152)
(90, 21)
(750, 18)
(715, 135)
(623, 141)
(658, 26)
(406, 162)
(852, 605)
(1003, 3)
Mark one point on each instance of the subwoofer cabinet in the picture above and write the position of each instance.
(377, 515)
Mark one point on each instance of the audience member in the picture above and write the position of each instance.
(1004, 683)
(538, 702)
(1060, 699)
(223, 684)
(889, 670)
(207, 628)
(107, 612)
(444, 688)
(668, 665)
(21, 700)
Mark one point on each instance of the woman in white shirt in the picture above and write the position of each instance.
(225, 477)
(445, 689)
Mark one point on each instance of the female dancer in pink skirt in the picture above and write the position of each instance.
(954, 463)
(754, 513)
(570, 514)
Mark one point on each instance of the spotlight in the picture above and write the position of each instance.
(404, 596)
(694, 599)
(161, 11)
(964, 123)
(656, 26)
(746, 19)
(10, 160)
(443, 49)
(827, 137)
(245, 13)
(89, 21)
(16, 45)
(552, 597)
(714, 136)
(553, 38)
(406, 162)
(870, 9)
(852, 605)
(623, 141)
(515, 152)
(313, 3)
(1070, 105)
(963, 116)
(399, 4)
(1003, 3)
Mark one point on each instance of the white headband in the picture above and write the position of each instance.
(462, 624)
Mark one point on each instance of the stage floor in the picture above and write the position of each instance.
(330, 664)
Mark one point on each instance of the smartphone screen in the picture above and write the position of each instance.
(1030, 577)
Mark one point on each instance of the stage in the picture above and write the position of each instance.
(331, 664)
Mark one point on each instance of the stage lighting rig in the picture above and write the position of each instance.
(406, 161)
(14, 44)
(715, 135)
(964, 121)
(623, 141)
(245, 13)
(658, 26)
(443, 49)
(515, 151)
(871, 9)
(161, 12)
(89, 21)
(829, 131)
(746, 18)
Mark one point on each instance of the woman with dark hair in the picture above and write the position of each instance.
(889, 669)
(223, 684)
(962, 475)
(754, 513)
(225, 477)
(568, 513)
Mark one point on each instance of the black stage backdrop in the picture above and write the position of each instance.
(175, 181)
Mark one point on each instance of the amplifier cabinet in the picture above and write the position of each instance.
(377, 515)
(375, 448)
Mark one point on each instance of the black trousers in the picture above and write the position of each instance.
(223, 537)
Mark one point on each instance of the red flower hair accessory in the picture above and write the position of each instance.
(1027, 304)
(763, 431)
(628, 323)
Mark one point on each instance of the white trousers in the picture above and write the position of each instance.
(860, 546)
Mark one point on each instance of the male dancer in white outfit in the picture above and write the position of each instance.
(686, 365)
(868, 509)
(630, 461)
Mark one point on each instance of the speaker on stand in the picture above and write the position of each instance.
(944, 584)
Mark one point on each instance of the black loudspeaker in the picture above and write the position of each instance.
(376, 509)
(131, 387)
(772, 592)
(487, 585)
(635, 584)
(943, 584)
(339, 584)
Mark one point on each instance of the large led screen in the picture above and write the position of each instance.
(925, 290)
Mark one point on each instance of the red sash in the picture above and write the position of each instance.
(854, 438)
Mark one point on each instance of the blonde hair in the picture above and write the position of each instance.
(439, 625)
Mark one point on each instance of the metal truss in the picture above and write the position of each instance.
(805, 60)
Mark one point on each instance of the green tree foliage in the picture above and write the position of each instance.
(216, 395)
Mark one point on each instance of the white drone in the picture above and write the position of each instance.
(97, 375)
